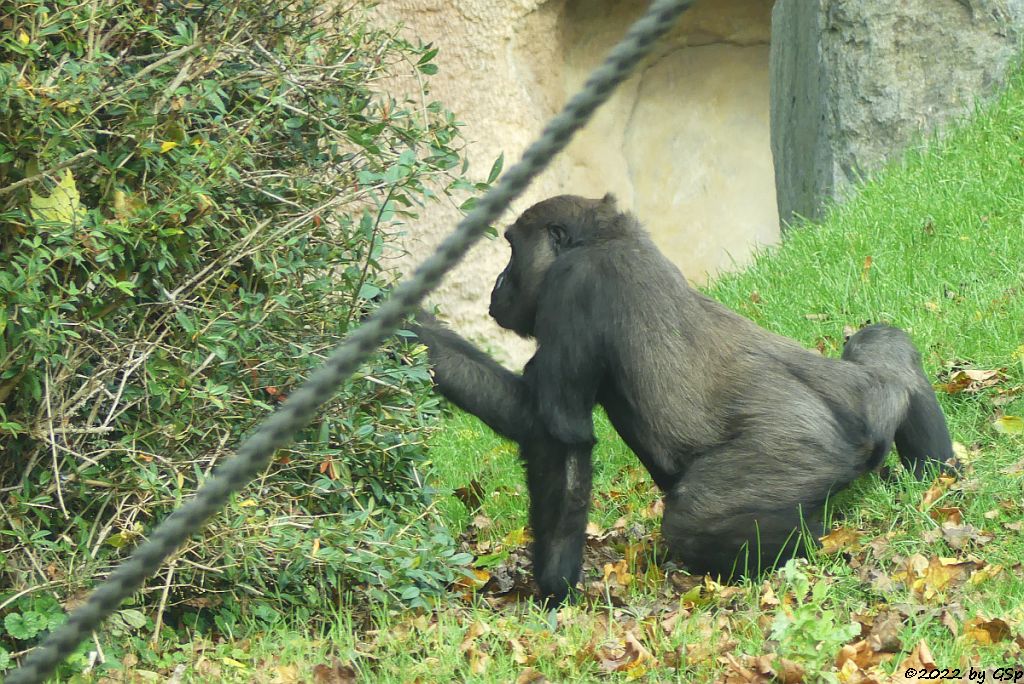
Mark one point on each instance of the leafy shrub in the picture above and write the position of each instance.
(195, 200)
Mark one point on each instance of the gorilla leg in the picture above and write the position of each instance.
(741, 544)
(559, 479)
(922, 436)
(558, 476)
(742, 507)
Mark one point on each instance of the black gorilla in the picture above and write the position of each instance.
(746, 432)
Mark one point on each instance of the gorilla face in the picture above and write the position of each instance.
(518, 287)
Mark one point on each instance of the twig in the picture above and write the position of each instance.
(39, 176)
(163, 602)
(53, 445)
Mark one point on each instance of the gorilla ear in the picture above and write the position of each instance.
(559, 236)
(609, 200)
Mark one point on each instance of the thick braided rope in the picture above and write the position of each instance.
(278, 430)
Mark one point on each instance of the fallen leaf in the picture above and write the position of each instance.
(336, 673)
(841, 539)
(768, 598)
(629, 655)
(471, 496)
(861, 654)
(475, 631)
(950, 623)
(946, 514)
(970, 381)
(920, 658)
(939, 487)
(960, 536)
(1009, 425)
(987, 632)
(531, 676)
(930, 578)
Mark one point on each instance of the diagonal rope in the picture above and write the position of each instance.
(278, 430)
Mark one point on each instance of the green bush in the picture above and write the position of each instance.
(195, 199)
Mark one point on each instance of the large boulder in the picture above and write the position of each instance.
(853, 83)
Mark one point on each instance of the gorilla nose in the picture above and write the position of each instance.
(500, 281)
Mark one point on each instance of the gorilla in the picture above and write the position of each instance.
(746, 432)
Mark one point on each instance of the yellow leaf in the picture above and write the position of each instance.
(247, 503)
(233, 663)
(1009, 425)
(23, 37)
(167, 145)
(62, 206)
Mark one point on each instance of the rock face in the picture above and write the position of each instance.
(684, 144)
(855, 82)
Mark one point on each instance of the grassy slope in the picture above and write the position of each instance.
(945, 233)
(944, 230)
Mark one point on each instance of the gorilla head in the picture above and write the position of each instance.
(537, 238)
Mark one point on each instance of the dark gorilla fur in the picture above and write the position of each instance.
(746, 432)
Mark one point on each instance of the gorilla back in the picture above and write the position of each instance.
(746, 432)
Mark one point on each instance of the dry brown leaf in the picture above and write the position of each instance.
(519, 654)
(958, 537)
(669, 622)
(475, 631)
(971, 381)
(947, 514)
(929, 578)
(950, 623)
(768, 598)
(629, 655)
(866, 268)
(617, 574)
(939, 487)
(788, 671)
(701, 651)
(479, 660)
(471, 496)
(841, 539)
(986, 632)
(531, 676)
(336, 673)
(737, 673)
(884, 635)
(862, 654)
(748, 669)
(920, 658)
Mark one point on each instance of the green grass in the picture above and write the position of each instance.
(944, 231)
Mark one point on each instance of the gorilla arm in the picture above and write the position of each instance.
(558, 470)
(475, 382)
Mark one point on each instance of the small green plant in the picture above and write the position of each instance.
(196, 201)
(808, 632)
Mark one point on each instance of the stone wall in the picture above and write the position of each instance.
(855, 82)
(684, 143)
